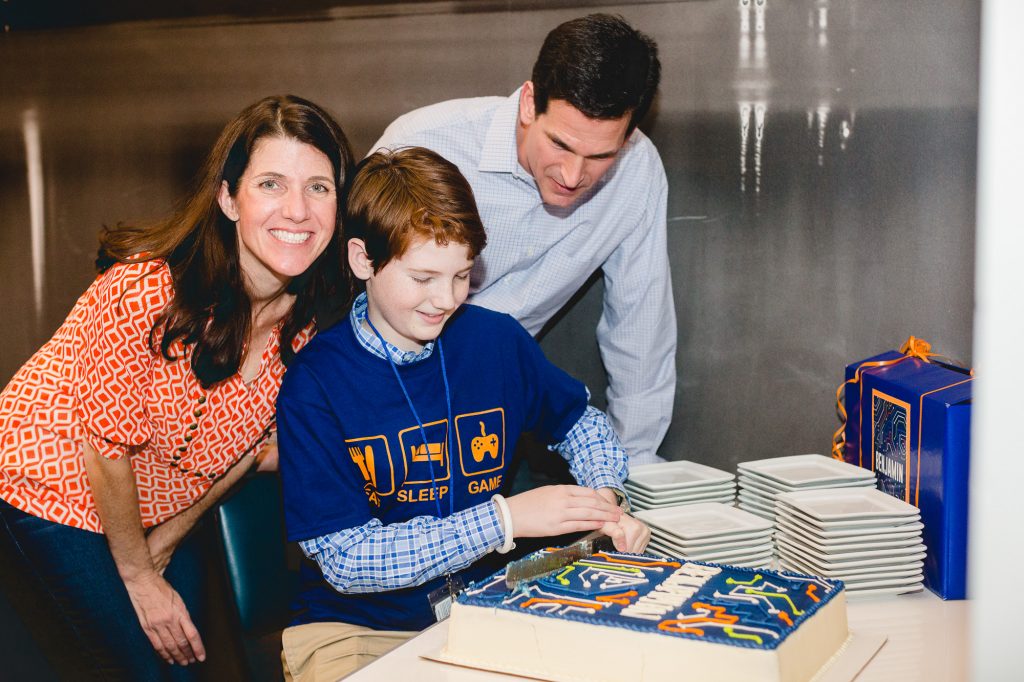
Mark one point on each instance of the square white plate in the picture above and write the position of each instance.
(760, 558)
(756, 500)
(747, 539)
(831, 554)
(680, 474)
(750, 479)
(828, 535)
(908, 576)
(876, 581)
(639, 504)
(883, 591)
(763, 555)
(684, 494)
(804, 470)
(847, 545)
(859, 525)
(848, 504)
(757, 511)
(876, 573)
(719, 554)
(785, 548)
(695, 521)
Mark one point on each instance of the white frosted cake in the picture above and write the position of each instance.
(619, 617)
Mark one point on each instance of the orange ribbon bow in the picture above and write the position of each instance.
(913, 347)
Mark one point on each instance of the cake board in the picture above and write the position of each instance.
(858, 651)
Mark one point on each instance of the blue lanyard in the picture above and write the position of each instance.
(423, 431)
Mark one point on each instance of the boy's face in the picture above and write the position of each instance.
(411, 298)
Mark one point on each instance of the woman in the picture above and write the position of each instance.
(137, 415)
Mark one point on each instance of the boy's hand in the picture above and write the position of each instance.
(560, 509)
(628, 534)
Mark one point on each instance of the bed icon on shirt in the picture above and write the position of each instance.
(481, 440)
(425, 461)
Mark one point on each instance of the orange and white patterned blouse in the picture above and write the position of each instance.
(98, 380)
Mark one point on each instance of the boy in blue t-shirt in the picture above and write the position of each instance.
(396, 428)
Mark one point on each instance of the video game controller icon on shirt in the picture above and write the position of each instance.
(484, 444)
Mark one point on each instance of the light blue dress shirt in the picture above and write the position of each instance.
(538, 256)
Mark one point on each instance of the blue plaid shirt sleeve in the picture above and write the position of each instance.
(375, 557)
(595, 455)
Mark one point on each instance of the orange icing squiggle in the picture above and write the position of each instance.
(622, 598)
(564, 602)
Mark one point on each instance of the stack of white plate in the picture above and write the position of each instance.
(763, 480)
(711, 531)
(869, 540)
(671, 484)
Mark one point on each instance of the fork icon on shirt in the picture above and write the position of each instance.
(363, 457)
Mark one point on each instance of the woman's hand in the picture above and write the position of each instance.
(165, 619)
(560, 509)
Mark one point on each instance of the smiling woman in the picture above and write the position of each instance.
(285, 207)
(139, 413)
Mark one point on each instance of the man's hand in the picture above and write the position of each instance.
(165, 619)
(560, 509)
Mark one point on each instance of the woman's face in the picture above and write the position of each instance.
(284, 210)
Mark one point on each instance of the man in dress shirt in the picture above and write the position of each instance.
(566, 184)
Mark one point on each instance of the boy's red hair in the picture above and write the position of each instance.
(399, 197)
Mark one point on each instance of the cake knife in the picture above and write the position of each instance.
(533, 567)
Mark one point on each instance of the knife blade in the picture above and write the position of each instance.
(534, 567)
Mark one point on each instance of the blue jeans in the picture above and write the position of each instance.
(76, 571)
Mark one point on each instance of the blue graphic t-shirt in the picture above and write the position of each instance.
(352, 451)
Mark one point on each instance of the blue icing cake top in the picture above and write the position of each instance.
(753, 608)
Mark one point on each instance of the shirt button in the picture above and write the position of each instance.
(202, 399)
(193, 427)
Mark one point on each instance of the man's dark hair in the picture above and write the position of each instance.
(601, 66)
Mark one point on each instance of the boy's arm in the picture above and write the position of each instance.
(597, 460)
(374, 557)
(596, 457)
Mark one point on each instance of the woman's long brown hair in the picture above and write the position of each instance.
(211, 311)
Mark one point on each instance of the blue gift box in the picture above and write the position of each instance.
(909, 422)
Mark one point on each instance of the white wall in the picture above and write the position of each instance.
(997, 472)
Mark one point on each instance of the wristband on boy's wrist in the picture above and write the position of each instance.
(506, 521)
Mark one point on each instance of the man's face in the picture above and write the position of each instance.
(565, 151)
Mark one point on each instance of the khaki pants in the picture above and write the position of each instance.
(326, 652)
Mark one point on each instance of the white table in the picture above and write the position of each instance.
(927, 641)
